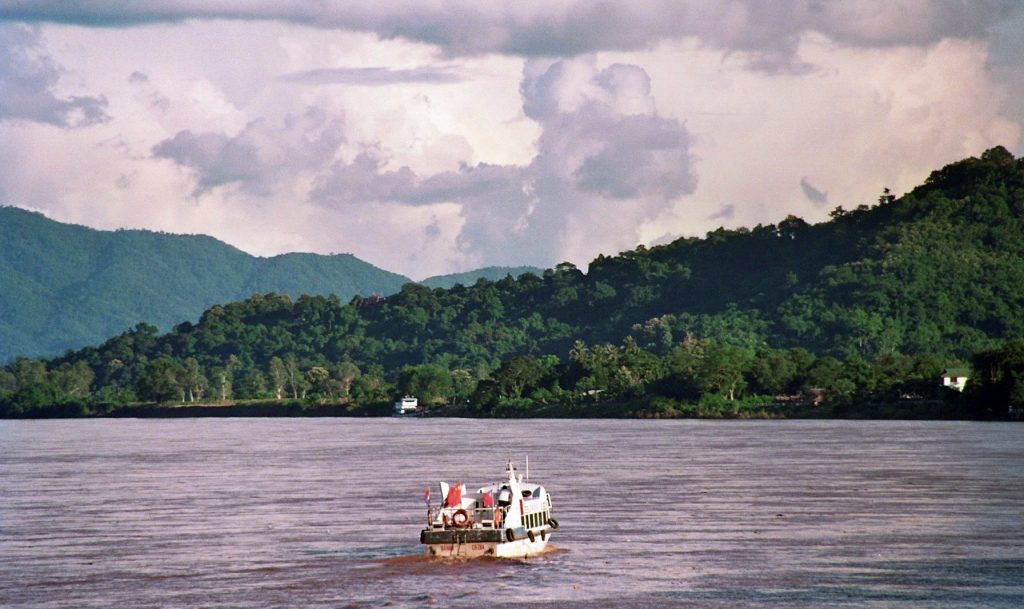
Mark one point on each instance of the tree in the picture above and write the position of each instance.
(29, 372)
(8, 382)
(370, 387)
(721, 369)
(316, 379)
(163, 380)
(345, 373)
(221, 383)
(251, 384)
(278, 376)
(194, 381)
(773, 372)
(427, 382)
(463, 384)
(73, 380)
(296, 381)
(518, 374)
(998, 381)
(223, 378)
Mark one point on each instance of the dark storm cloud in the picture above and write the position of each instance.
(769, 31)
(27, 81)
(813, 195)
(373, 77)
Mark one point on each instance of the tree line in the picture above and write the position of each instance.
(933, 277)
(689, 378)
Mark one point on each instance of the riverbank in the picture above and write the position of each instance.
(920, 410)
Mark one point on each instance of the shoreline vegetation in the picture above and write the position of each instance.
(950, 408)
(696, 378)
(860, 316)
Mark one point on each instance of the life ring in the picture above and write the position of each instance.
(553, 523)
(497, 518)
(461, 519)
(531, 536)
(510, 535)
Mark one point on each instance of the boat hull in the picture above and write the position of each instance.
(481, 543)
(520, 548)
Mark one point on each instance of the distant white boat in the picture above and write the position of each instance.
(507, 519)
(407, 405)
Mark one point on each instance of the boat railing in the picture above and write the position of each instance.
(485, 517)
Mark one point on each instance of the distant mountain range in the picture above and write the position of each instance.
(64, 286)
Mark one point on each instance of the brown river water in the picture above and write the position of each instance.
(311, 513)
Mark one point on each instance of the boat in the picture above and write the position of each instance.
(407, 406)
(507, 519)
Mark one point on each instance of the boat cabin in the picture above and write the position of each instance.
(407, 405)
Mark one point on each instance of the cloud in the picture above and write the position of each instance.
(726, 212)
(362, 181)
(605, 160)
(28, 79)
(519, 157)
(813, 194)
(259, 156)
(769, 31)
(374, 76)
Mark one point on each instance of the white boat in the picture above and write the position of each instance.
(507, 519)
(408, 405)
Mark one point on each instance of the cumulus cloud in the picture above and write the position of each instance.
(28, 80)
(363, 180)
(256, 158)
(491, 133)
(604, 160)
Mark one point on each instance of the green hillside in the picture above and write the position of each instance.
(64, 286)
(490, 273)
(869, 305)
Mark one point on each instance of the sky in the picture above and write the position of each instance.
(430, 137)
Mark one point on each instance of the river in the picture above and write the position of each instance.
(311, 513)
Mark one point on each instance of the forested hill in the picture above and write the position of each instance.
(64, 286)
(937, 273)
(491, 273)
